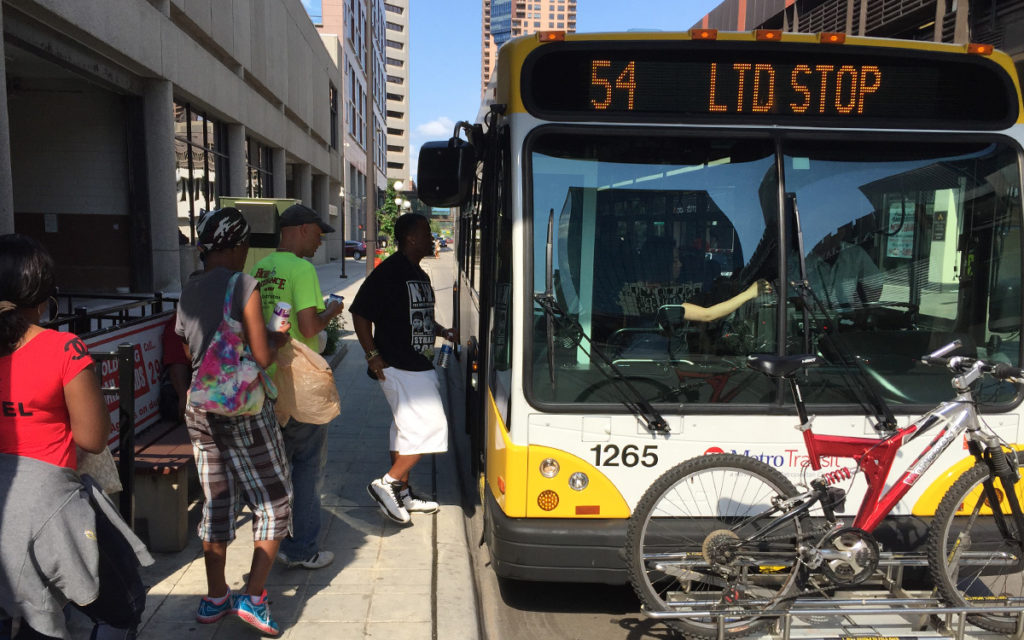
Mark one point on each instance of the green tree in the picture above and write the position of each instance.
(387, 214)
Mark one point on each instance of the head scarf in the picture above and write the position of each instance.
(224, 228)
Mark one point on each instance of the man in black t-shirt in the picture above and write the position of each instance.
(393, 315)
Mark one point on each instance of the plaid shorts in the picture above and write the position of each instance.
(241, 457)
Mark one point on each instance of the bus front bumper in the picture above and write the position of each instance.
(555, 549)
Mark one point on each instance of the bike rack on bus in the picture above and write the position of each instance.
(952, 624)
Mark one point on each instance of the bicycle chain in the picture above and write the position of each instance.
(815, 533)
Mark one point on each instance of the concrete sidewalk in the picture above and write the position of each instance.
(387, 581)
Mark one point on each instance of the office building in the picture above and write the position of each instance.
(120, 121)
(396, 63)
(507, 19)
(360, 26)
(1000, 24)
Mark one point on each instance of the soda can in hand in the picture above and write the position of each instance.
(282, 311)
(444, 355)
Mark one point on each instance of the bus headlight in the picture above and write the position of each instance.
(578, 481)
(549, 468)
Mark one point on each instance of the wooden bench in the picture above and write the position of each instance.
(163, 463)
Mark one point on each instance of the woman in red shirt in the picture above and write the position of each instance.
(50, 401)
(50, 397)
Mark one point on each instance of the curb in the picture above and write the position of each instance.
(339, 354)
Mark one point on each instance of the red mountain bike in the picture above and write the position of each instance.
(726, 537)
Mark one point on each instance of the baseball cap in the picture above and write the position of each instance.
(299, 214)
(223, 228)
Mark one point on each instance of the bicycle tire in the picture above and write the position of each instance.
(977, 578)
(730, 487)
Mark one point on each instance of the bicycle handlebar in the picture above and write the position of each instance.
(960, 364)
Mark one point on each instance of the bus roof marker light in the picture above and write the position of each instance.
(551, 36)
(832, 37)
(980, 49)
(768, 35)
(703, 34)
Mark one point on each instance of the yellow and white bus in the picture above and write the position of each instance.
(616, 178)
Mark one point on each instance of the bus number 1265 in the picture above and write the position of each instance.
(609, 455)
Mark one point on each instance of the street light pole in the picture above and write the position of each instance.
(344, 216)
(371, 139)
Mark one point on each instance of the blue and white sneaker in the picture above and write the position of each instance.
(256, 614)
(210, 610)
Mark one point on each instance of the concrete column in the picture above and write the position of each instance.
(6, 181)
(158, 121)
(962, 32)
(302, 178)
(237, 171)
(339, 221)
(280, 172)
(321, 204)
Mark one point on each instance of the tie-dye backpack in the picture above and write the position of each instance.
(228, 381)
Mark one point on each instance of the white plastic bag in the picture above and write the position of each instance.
(305, 386)
(101, 467)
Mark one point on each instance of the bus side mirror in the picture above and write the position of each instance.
(446, 172)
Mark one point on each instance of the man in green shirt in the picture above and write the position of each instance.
(285, 276)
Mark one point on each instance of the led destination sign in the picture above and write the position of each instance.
(745, 82)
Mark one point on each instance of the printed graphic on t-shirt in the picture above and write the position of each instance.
(421, 314)
(76, 345)
(269, 281)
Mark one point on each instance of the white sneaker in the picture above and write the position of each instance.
(416, 504)
(318, 560)
(386, 495)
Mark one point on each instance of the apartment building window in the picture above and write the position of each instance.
(395, 27)
(394, 44)
(354, 26)
(355, 99)
(333, 97)
(394, 62)
(393, 9)
(259, 169)
(396, 79)
(381, 147)
(200, 156)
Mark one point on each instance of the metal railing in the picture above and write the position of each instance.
(104, 311)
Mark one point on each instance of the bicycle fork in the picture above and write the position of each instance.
(989, 450)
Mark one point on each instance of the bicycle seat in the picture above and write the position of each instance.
(782, 366)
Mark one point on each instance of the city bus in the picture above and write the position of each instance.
(861, 196)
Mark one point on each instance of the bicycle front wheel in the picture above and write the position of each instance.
(972, 563)
(685, 552)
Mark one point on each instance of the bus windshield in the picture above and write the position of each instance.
(659, 241)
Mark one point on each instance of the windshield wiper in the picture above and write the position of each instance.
(812, 302)
(631, 398)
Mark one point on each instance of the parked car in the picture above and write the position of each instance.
(355, 249)
(444, 242)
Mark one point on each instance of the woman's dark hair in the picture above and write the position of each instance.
(26, 280)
